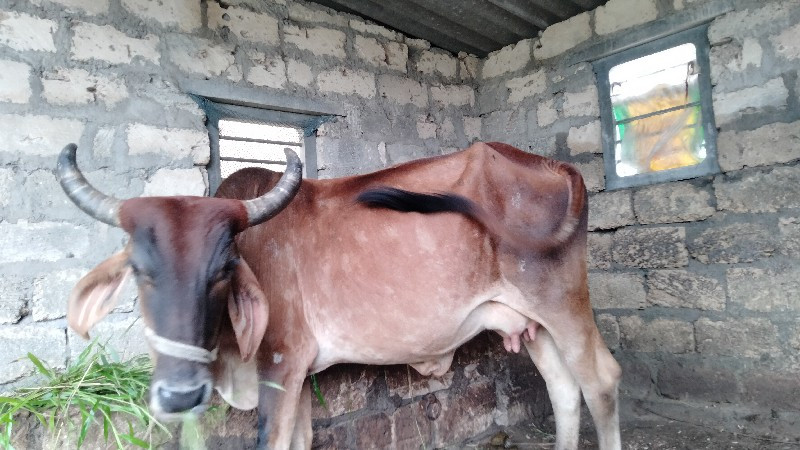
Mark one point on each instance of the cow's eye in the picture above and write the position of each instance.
(226, 271)
(230, 266)
(142, 276)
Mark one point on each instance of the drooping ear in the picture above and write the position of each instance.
(248, 310)
(96, 294)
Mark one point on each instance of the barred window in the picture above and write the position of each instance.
(247, 136)
(256, 144)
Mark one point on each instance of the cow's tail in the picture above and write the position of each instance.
(407, 201)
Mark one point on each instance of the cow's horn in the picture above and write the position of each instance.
(263, 208)
(93, 202)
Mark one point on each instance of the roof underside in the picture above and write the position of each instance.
(472, 26)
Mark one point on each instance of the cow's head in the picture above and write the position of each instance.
(183, 256)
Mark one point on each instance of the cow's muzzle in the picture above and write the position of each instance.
(170, 401)
(170, 397)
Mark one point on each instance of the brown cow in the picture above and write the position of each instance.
(350, 271)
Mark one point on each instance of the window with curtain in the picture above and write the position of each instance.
(656, 111)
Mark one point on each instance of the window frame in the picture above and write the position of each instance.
(216, 111)
(697, 36)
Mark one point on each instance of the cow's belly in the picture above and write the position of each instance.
(428, 341)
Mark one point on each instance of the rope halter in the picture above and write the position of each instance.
(179, 349)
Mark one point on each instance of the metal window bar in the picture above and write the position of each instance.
(255, 161)
(650, 74)
(658, 133)
(656, 113)
(261, 141)
(238, 149)
(267, 128)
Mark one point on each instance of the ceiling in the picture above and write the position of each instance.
(472, 26)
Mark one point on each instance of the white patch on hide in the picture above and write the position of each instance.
(426, 240)
(516, 200)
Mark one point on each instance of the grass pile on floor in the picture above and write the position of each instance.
(95, 391)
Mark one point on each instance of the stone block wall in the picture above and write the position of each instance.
(694, 282)
(107, 75)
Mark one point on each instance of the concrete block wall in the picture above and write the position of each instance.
(694, 282)
(107, 75)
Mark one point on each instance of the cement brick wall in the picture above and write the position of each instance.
(106, 75)
(693, 282)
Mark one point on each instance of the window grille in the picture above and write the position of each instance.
(249, 144)
(246, 136)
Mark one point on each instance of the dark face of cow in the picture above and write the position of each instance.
(183, 255)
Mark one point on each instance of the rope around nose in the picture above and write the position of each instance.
(179, 349)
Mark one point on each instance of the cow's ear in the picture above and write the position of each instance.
(96, 294)
(248, 309)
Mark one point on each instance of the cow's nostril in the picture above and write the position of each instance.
(176, 401)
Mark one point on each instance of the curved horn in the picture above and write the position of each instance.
(263, 208)
(93, 202)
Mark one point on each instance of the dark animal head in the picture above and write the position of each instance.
(183, 256)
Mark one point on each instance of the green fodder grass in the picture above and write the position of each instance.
(95, 390)
(317, 391)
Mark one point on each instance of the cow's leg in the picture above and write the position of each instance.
(277, 413)
(565, 394)
(263, 422)
(278, 409)
(591, 364)
(302, 428)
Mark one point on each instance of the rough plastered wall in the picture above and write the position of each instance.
(107, 74)
(696, 284)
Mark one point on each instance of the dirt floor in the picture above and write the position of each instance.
(649, 432)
